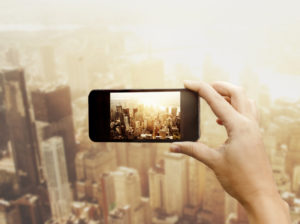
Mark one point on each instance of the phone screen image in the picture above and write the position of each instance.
(145, 115)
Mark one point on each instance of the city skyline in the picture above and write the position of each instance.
(148, 115)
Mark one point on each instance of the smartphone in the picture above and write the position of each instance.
(144, 115)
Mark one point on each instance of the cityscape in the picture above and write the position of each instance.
(141, 116)
(53, 53)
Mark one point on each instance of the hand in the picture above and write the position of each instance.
(241, 163)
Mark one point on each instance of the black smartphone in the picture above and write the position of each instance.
(144, 115)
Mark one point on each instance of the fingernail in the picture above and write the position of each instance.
(175, 148)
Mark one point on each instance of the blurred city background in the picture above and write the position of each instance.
(52, 53)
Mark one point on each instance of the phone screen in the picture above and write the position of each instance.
(143, 115)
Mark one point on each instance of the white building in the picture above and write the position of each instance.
(175, 183)
(127, 186)
(55, 170)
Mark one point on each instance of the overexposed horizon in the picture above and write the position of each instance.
(155, 99)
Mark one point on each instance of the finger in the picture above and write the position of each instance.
(236, 94)
(219, 121)
(218, 104)
(198, 151)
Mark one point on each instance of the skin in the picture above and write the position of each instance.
(241, 163)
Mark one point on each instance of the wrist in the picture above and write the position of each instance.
(266, 208)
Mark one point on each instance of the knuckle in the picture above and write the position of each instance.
(243, 125)
(246, 126)
(193, 150)
(215, 84)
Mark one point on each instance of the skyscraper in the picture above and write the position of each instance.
(53, 115)
(30, 209)
(108, 194)
(157, 186)
(175, 183)
(4, 134)
(53, 157)
(231, 207)
(13, 57)
(127, 187)
(128, 192)
(195, 182)
(141, 160)
(120, 215)
(293, 155)
(47, 54)
(9, 213)
(278, 161)
(121, 153)
(296, 180)
(16, 118)
(77, 72)
(213, 199)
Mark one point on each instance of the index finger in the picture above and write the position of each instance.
(218, 104)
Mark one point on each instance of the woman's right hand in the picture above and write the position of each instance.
(241, 163)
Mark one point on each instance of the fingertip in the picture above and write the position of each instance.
(187, 82)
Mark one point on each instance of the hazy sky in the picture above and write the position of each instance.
(245, 13)
(149, 98)
(263, 35)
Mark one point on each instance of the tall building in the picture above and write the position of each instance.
(231, 207)
(54, 163)
(121, 153)
(195, 182)
(4, 135)
(141, 160)
(90, 165)
(15, 116)
(293, 155)
(128, 192)
(108, 195)
(127, 187)
(175, 192)
(77, 73)
(13, 57)
(120, 215)
(147, 211)
(98, 161)
(213, 205)
(9, 213)
(187, 183)
(278, 160)
(53, 115)
(296, 180)
(48, 61)
(30, 209)
(157, 186)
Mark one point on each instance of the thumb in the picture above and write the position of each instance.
(197, 150)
